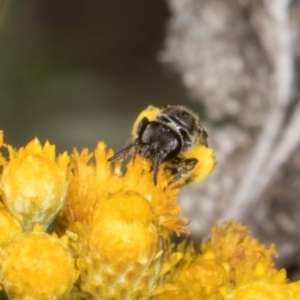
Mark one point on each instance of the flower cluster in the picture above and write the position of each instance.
(35, 264)
(80, 227)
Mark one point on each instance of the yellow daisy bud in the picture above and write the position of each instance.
(205, 276)
(263, 291)
(121, 252)
(34, 183)
(247, 258)
(9, 226)
(193, 276)
(37, 266)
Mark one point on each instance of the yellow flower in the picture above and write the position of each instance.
(114, 212)
(247, 258)
(263, 291)
(91, 183)
(82, 190)
(34, 184)
(123, 224)
(229, 266)
(9, 226)
(193, 275)
(121, 251)
(115, 227)
(37, 266)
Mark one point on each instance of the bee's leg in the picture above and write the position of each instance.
(182, 168)
(174, 165)
(155, 171)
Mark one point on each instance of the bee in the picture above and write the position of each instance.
(164, 136)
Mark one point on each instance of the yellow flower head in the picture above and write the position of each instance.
(34, 183)
(37, 266)
(228, 266)
(118, 218)
(123, 224)
(191, 275)
(263, 290)
(90, 185)
(246, 258)
(117, 211)
(9, 226)
(121, 245)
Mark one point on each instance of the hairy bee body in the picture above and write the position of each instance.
(164, 135)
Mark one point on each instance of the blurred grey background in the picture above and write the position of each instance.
(76, 72)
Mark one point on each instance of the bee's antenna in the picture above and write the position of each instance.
(121, 153)
(126, 150)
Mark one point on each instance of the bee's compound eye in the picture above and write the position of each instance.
(175, 146)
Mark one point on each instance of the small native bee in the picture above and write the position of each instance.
(164, 135)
